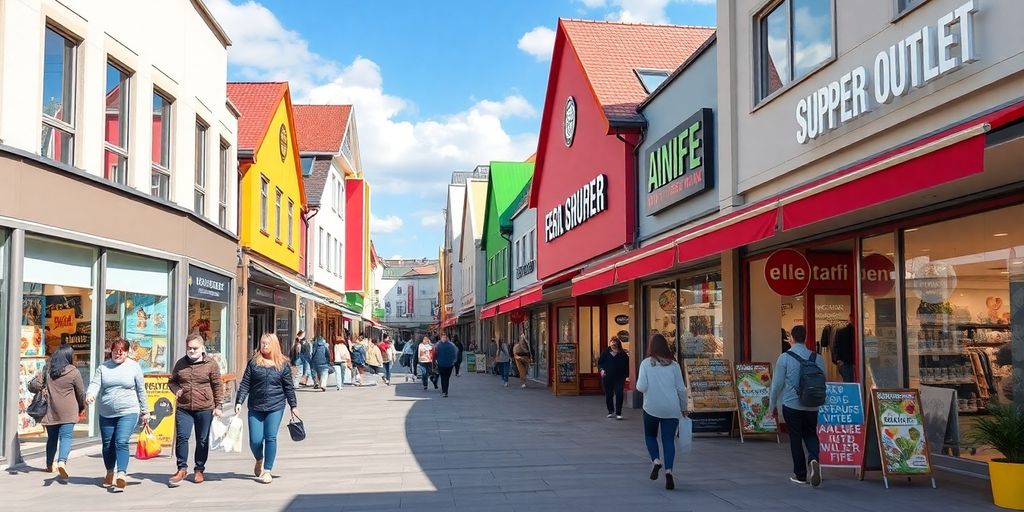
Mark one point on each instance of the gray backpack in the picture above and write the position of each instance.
(811, 386)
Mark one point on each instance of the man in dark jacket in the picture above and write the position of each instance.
(320, 362)
(445, 356)
(462, 350)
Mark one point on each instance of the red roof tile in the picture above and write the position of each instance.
(321, 128)
(609, 52)
(257, 102)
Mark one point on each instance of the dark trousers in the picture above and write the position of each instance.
(185, 422)
(668, 427)
(446, 377)
(613, 387)
(803, 432)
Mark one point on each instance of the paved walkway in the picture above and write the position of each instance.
(484, 448)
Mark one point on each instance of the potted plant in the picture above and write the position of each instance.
(1003, 429)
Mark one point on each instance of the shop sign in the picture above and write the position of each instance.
(622, 319)
(268, 295)
(876, 275)
(787, 272)
(841, 432)
(931, 281)
(206, 285)
(923, 56)
(680, 165)
(590, 200)
(528, 268)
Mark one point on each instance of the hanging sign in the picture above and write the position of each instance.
(206, 285)
(787, 272)
(877, 275)
(680, 164)
(899, 427)
(841, 432)
(753, 386)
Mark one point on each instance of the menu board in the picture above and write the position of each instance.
(711, 386)
(566, 363)
(899, 424)
(841, 432)
(753, 387)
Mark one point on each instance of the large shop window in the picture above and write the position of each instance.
(137, 308)
(688, 312)
(209, 296)
(57, 307)
(540, 347)
(964, 294)
(879, 315)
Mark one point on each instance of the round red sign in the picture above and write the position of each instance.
(876, 275)
(787, 272)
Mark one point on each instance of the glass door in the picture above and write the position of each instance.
(833, 334)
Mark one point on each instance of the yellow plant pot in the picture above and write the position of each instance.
(1007, 490)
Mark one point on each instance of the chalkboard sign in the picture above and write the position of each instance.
(713, 422)
(566, 363)
(841, 431)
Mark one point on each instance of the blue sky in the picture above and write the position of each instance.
(436, 86)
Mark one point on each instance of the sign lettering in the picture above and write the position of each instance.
(680, 165)
(590, 200)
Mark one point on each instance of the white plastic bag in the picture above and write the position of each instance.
(218, 430)
(233, 440)
(685, 435)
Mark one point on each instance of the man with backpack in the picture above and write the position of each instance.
(799, 387)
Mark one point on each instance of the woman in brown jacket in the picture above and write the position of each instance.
(66, 402)
(195, 382)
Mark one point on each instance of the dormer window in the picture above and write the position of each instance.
(651, 78)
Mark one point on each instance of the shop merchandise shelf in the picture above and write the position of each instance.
(947, 382)
(939, 353)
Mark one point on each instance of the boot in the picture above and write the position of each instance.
(176, 478)
(197, 477)
(109, 479)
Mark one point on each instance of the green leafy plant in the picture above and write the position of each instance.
(1003, 429)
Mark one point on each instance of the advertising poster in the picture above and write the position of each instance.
(161, 406)
(901, 434)
(145, 328)
(841, 430)
(711, 385)
(33, 311)
(753, 385)
(28, 370)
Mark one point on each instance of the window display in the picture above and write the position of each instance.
(688, 312)
(137, 308)
(882, 358)
(209, 295)
(963, 280)
(540, 339)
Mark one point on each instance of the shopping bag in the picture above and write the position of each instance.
(685, 435)
(218, 432)
(233, 439)
(147, 446)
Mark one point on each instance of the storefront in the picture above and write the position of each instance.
(271, 310)
(209, 307)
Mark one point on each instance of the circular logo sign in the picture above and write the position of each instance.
(622, 319)
(569, 123)
(931, 281)
(877, 275)
(787, 272)
(283, 141)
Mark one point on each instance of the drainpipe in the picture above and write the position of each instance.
(309, 268)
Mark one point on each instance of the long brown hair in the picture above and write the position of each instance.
(658, 350)
(615, 341)
(276, 359)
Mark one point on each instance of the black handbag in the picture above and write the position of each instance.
(296, 429)
(40, 403)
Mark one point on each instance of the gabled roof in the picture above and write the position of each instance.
(473, 213)
(321, 128)
(257, 102)
(610, 52)
(456, 202)
(507, 181)
(317, 180)
(711, 41)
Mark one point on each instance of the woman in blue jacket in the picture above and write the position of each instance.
(267, 383)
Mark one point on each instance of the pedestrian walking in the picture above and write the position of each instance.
(502, 358)
(661, 382)
(199, 393)
(300, 354)
(614, 365)
(521, 352)
(445, 356)
(119, 392)
(267, 384)
(65, 394)
(409, 357)
(342, 363)
(374, 358)
(387, 355)
(359, 360)
(425, 357)
(320, 363)
(799, 387)
(459, 358)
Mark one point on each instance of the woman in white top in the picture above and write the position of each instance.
(342, 363)
(661, 382)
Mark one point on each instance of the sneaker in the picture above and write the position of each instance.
(62, 470)
(670, 483)
(198, 477)
(266, 477)
(618, 416)
(108, 481)
(121, 481)
(798, 481)
(176, 478)
(655, 470)
(258, 470)
(523, 386)
(444, 395)
(610, 416)
(506, 384)
(815, 473)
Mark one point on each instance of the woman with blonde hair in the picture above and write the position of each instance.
(267, 383)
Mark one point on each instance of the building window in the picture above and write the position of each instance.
(341, 247)
(651, 78)
(264, 191)
(401, 309)
(277, 214)
(531, 238)
(320, 247)
(200, 188)
(291, 219)
(161, 172)
(115, 125)
(399, 290)
(222, 205)
(338, 191)
(903, 6)
(327, 251)
(58, 142)
(795, 37)
(307, 166)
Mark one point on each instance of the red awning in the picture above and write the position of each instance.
(725, 234)
(509, 304)
(592, 282)
(652, 262)
(488, 312)
(531, 296)
(449, 321)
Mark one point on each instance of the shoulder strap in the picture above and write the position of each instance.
(798, 358)
(814, 355)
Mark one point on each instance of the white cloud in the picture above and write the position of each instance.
(538, 42)
(388, 224)
(639, 11)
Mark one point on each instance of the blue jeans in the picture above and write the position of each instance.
(263, 427)
(668, 438)
(503, 368)
(184, 422)
(424, 373)
(305, 370)
(339, 375)
(116, 433)
(387, 371)
(63, 433)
